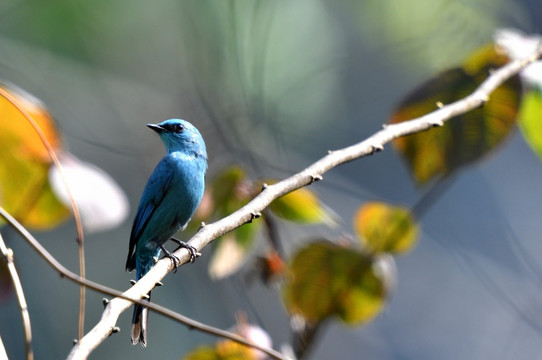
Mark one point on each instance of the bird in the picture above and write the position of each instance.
(170, 198)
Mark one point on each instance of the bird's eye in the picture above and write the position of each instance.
(176, 128)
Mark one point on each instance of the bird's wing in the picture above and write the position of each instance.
(155, 191)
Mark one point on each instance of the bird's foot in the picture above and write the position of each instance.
(173, 257)
(193, 251)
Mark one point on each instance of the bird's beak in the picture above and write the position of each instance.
(156, 128)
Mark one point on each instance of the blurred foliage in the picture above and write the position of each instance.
(101, 202)
(272, 266)
(225, 350)
(32, 188)
(432, 34)
(468, 137)
(385, 228)
(230, 350)
(327, 280)
(25, 191)
(230, 190)
(301, 206)
(226, 193)
(259, 68)
(530, 119)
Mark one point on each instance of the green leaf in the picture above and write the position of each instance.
(301, 206)
(385, 228)
(466, 138)
(229, 191)
(25, 191)
(530, 120)
(329, 280)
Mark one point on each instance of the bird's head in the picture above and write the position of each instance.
(180, 135)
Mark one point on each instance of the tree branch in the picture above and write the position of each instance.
(7, 253)
(123, 300)
(250, 211)
(106, 325)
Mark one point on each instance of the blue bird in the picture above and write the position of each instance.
(172, 194)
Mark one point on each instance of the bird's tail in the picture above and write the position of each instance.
(140, 320)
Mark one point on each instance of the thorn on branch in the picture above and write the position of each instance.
(264, 186)
(376, 148)
(105, 301)
(159, 283)
(315, 178)
(146, 297)
(115, 330)
(254, 215)
(439, 104)
(9, 255)
(436, 123)
(74, 342)
(483, 100)
(132, 282)
(201, 226)
(385, 126)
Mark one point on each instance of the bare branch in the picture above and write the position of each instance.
(7, 253)
(122, 301)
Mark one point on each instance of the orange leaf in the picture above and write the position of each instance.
(24, 161)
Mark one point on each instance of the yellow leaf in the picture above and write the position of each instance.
(385, 228)
(301, 206)
(329, 280)
(530, 120)
(466, 138)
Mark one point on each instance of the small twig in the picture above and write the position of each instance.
(7, 253)
(75, 209)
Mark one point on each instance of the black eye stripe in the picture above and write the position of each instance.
(176, 128)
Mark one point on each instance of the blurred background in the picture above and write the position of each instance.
(272, 86)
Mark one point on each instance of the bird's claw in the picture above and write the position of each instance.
(173, 257)
(193, 251)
